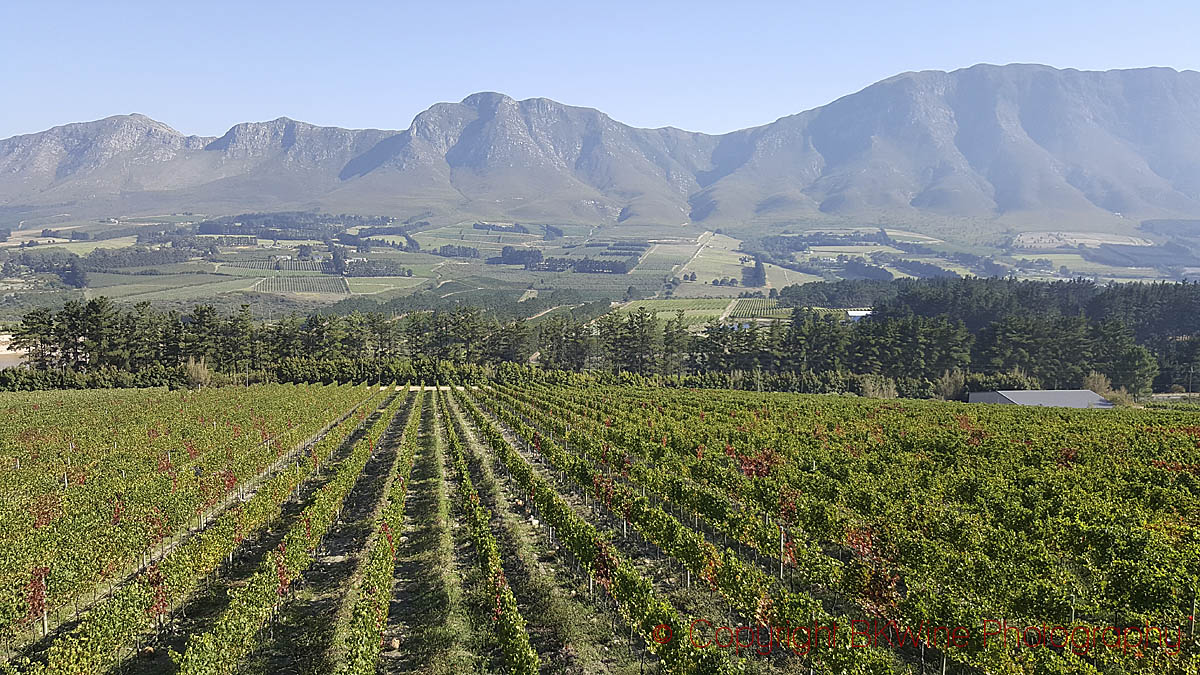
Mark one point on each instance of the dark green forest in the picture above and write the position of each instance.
(972, 333)
(978, 333)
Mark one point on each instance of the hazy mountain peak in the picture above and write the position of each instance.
(487, 99)
(113, 124)
(298, 143)
(983, 142)
(37, 161)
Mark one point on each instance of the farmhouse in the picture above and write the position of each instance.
(1062, 398)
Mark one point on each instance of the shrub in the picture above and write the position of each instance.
(877, 386)
(197, 373)
(952, 385)
(1098, 382)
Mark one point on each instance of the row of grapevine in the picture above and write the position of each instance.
(639, 605)
(741, 582)
(110, 627)
(103, 486)
(303, 284)
(811, 569)
(683, 485)
(782, 510)
(289, 265)
(237, 630)
(755, 594)
(760, 308)
(360, 640)
(1058, 556)
(821, 483)
(508, 623)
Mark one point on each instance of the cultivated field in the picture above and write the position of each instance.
(548, 529)
(488, 242)
(136, 288)
(1051, 240)
(717, 258)
(328, 285)
(374, 285)
(228, 276)
(758, 308)
(696, 311)
(85, 247)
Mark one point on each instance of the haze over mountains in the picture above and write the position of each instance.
(1018, 143)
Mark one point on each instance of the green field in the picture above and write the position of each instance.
(373, 285)
(233, 270)
(695, 311)
(759, 308)
(673, 251)
(903, 235)
(264, 264)
(718, 258)
(125, 285)
(194, 266)
(667, 257)
(86, 247)
(165, 287)
(324, 285)
(854, 249)
(465, 235)
(1077, 264)
(778, 277)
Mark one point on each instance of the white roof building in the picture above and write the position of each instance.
(1061, 398)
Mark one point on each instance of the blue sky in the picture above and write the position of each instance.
(704, 66)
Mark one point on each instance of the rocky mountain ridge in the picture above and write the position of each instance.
(989, 142)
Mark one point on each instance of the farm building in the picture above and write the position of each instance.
(1062, 398)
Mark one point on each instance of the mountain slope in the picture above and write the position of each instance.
(1022, 142)
(984, 141)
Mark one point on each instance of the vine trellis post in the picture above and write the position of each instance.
(1192, 628)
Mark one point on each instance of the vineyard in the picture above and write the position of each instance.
(696, 312)
(760, 308)
(285, 265)
(303, 284)
(579, 529)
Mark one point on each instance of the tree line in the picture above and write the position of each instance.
(913, 353)
(73, 269)
(897, 352)
(1162, 317)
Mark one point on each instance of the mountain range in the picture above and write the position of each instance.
(1008, 144)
